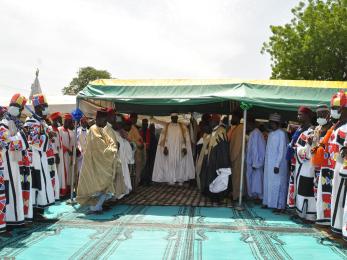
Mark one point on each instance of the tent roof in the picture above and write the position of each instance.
(187, 93)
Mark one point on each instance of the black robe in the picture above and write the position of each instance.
(215, 158)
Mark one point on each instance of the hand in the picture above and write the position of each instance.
(276, 170)
(57, 158)
(166, 151)
(184, 151)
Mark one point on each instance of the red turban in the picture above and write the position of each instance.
(84, 119)
(55, 115)
(305, 110)
(127, 120)
(68, 116)
(216, 117)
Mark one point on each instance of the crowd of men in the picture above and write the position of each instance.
(305, 169)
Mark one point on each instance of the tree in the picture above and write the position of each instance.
(313, 46)
(85, 75)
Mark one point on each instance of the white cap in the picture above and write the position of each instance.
(275, 117)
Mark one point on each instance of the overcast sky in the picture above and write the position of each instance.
(134, 39)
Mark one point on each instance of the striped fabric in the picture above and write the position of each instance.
(165, 195)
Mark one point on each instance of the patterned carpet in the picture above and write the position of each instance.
(169, 232)
(165, 195)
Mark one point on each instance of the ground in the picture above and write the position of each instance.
(138, 231)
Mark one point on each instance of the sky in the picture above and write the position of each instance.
(134, 39)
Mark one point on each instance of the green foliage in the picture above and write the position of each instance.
(313, 46)
(85, 75)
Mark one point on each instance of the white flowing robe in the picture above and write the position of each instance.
(305, 202)
(68, 142)
(42, 188)
(255, 164)
(338, 198)
(15, 142)
(81, 145)
(58, 149)
(276, 185)
(175, 167)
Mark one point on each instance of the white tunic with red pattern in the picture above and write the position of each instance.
(305, 202)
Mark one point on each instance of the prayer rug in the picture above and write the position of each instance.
(169, 232)
(165, 195)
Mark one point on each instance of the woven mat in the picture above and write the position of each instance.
(166, 195)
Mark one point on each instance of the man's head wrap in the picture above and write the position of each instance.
(38, 100)
(339, 99)
(18, 99)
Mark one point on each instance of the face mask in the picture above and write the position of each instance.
(45, 111)
(58, 124)
(14, 111)
(322, 121)
(335, 114)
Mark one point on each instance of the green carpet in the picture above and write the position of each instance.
(169, 232)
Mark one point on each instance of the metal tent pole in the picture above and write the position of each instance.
(74, 155)
(243, 158)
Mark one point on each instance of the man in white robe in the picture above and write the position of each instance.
(276, 167)
(68, 144)
(255, 161)
(174, 159)
(57, 122)
(82, 132)
(13, 148)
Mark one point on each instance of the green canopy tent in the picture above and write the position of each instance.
(160, 97)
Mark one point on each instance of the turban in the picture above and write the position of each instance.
(126, 120)
(84, 119)
(216, 117)
(322, 107)
(18, 99)
(67, 117)
(305, 110)
(174, 114)
(38, 100)
(110, 111)
(55, 116)
(102, 113)
(275, 118)
(339, 99)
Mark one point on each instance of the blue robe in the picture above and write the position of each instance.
(276, 185)
(255, 164)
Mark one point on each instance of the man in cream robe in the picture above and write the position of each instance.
(235, 136)
(97, 181)
(124, 155)
(174, 159)
(140, 153)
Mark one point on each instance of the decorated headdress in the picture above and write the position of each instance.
(38, 100)
(18, 99)
(339, 99)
